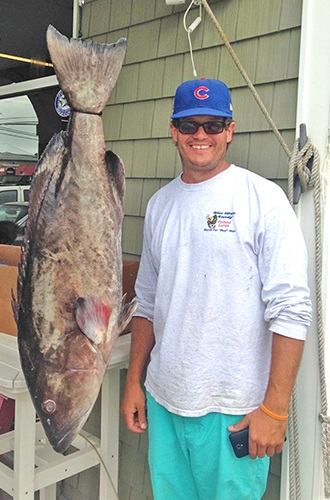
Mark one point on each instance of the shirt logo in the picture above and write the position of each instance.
(201, 93)
(220, 221)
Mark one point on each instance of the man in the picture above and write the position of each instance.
(223, 312)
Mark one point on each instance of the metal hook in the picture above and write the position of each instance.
(296, 183)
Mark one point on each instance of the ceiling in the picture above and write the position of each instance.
(23, 25)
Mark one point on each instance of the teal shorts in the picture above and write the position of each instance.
(191, 458)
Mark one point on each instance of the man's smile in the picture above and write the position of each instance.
(204, 146)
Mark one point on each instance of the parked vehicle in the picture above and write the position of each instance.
(14, 193)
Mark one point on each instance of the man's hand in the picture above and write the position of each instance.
(266, 435)
(133, 408)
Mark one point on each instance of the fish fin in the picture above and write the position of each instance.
(14, 305)
(116, 171)
(48, 170)
(92, 318)
(87, 72)
(126, 313)
(46, 173)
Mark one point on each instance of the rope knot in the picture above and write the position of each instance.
(324, 419)
(299, 166)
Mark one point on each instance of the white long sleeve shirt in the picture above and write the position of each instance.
(223, 265)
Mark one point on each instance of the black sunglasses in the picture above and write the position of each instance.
(190, 127)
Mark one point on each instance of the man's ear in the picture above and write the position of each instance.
(230, 131)
(174, 132)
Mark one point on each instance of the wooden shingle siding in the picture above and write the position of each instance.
(120, 15)
(282, 64)
(254, 19)
(279, 99)
(145, 155)
(99, 17)
(290, 14)
(127, 88)
(142, 42)
(154, 72)
(132, 236)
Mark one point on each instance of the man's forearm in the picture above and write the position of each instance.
(142, 343)
(286, 357)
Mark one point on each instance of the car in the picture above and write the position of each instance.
(9, 193)
(16, 212)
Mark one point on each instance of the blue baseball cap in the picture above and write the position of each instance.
(202, 97)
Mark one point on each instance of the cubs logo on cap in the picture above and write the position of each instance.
(202, 92)
(202, 97)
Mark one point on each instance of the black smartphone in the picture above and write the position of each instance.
(240, 442)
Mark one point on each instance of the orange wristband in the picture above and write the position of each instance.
(282, 418)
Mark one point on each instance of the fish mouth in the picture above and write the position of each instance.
(63, 438)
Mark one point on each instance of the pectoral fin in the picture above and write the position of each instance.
(126, 313)
(92, 318)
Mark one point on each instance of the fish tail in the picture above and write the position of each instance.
(87, 72)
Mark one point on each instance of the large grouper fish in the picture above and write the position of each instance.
(69, 308)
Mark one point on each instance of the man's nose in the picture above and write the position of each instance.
(200, 132)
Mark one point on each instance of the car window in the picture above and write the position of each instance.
(12, 214)
(26, 193)
(8, 196)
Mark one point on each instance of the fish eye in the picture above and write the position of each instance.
(49, 406)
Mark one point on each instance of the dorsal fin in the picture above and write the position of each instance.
(48, 166)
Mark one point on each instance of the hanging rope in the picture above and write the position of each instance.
(325, 421)
(324, 415)
(312, 178)
(308, 178)
(294, 464)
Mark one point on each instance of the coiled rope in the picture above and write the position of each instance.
(298, 160)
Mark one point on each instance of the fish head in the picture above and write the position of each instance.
(66, 387)
(63, 413)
